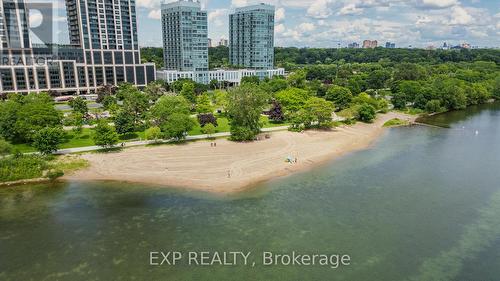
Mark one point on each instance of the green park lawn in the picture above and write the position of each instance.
(85, 137)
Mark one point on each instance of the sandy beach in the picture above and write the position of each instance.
(230, 166)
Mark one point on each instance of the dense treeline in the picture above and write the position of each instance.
(291, 57)
(152, 54)
(300, 56)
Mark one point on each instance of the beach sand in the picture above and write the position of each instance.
(231, 166)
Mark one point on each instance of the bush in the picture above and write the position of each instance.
(21, 167)
(366, 113)
(207, 118)
(5, 148)
(209, 129)
(240, 133)
(153, 133)
(433, 106)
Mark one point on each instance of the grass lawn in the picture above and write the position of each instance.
(85, 137)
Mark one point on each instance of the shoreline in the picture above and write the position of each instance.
(231, 167)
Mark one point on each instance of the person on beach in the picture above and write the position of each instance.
(228, 173)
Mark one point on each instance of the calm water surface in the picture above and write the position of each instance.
(422, 204)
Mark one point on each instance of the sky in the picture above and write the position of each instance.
(328, 23)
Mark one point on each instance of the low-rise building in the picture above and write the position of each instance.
(233, 76)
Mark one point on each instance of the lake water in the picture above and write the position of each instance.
(422, 204)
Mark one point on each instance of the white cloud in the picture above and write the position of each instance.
(436, 4)
(148, 3)
(239, 3)
(350, 9)
(319, 9)
(154, 14)
(217, 17)
(280, 28)
(460, 16)
(307, 27)
(422, 20)
(280, 14)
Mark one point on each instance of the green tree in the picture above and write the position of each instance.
(5, 148)
(451, 93)
(77, 121)
(124, 122)
(124, 89)
(366, 113)
(188, 92)
(136, 104)
(409, 71)
(433, 106)
(320, 111)
(220, 99)
(79, 105)
(8, 118)
(274, 85)
(250, 80)
(47, 140)
(177, 126)
(166, 106)
(297, 78)
(245, 105)
(292, 99)
(105, 135)
(155, 90)
(340, 96)
(410, 89)
(477, 93)
(109, 103)
(496, 88)
(378, 78)
(22, 117)
(208, 129)
(153, 133)
(203, 104)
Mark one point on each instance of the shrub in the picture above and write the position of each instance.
(209, 129)
(207, 118)
(21, 167)
(241, 133)
(366, 113)
(153, 133)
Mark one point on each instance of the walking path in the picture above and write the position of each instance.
(146, 142)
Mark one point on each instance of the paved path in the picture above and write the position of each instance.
(146, 142)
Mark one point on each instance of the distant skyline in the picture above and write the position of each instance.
(326, 23)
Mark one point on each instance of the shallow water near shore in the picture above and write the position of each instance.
(421, 204)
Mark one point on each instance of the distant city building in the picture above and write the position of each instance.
(232, 76)
(390, 45)
(210, 43)
(465, 46)
(185, 38)
(223, 42)
(445, 46)
(353, 45)
(251, 37)
(370, 44)
(104, 50)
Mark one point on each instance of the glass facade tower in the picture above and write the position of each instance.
(104, 50)
(251, 37)
(185, 37)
